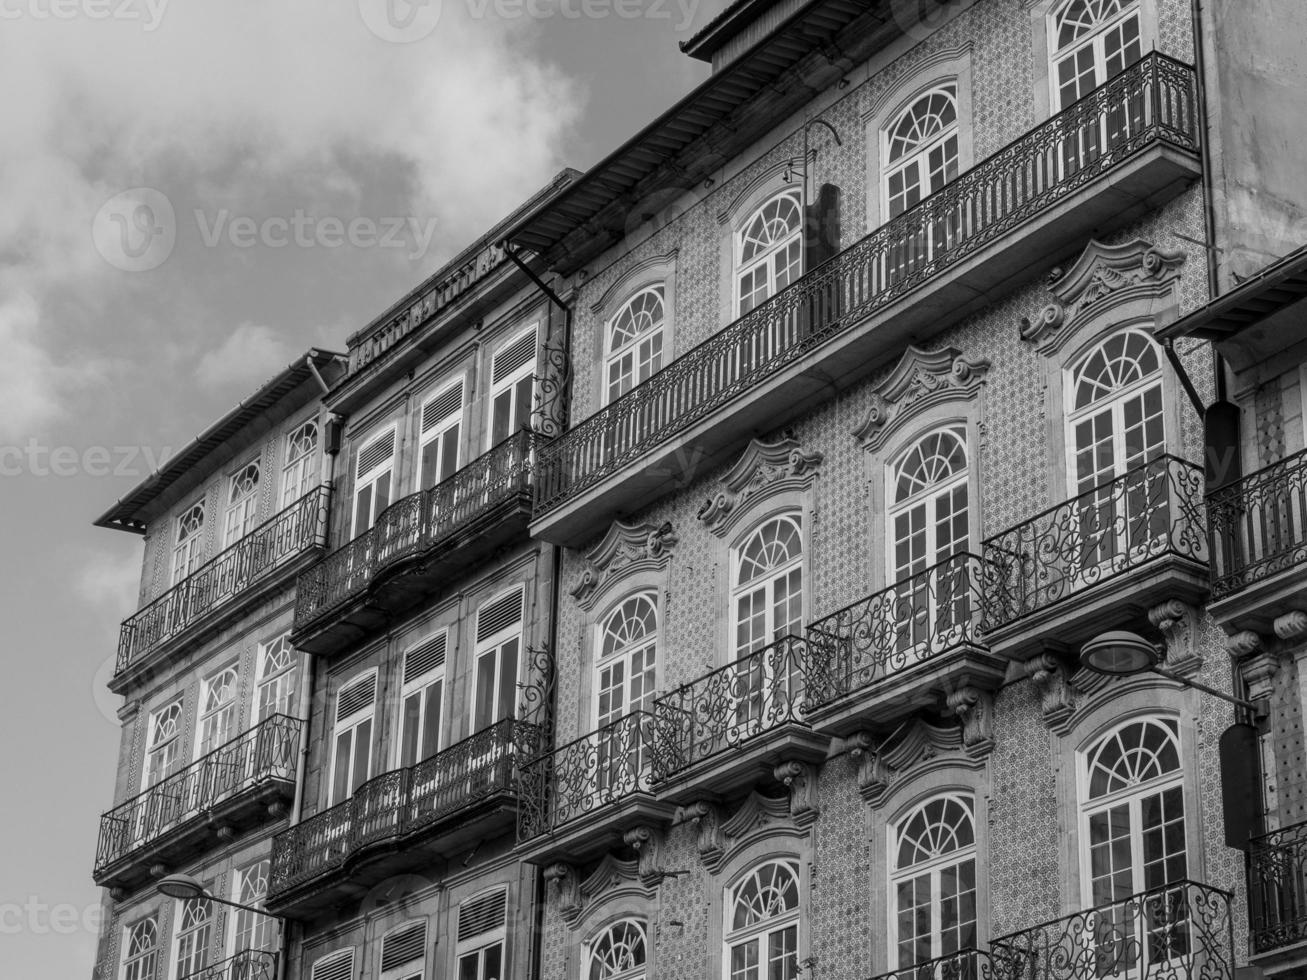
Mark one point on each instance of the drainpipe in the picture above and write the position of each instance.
(1205, 149)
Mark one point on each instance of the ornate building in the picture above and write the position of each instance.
(813, 543)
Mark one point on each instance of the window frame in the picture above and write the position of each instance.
(511, 382)
(640, 971)
(201, 953)
(455, 421)
(1094, 39)
(496, 641)
(928, 498)
(613, 354)
(371, 477)
(478, 944)
(740, 267)
(172, 741)
(287, 676)
(602, 661)
(188, 552)
(759, 932)
(418, 686)
(948, 86)
(262, 923)
(766, 583)
(203, 714)
(130, 960)
(352, 723)
(295, 484)
(245, 507)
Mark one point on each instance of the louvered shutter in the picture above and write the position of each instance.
(376, 454)
(513, 357)
(356, 696)
(499, 615)
(425, 657)
(482, 915)
(404, 945)
(442, 407)
(335, 966)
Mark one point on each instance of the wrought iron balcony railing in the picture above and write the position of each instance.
(1152, 102)
(918, 619)
(583, 776)
(404, 801)
(298, 528)
(1277, 889)
(1258, 525)
(248, 964)
(1151, 511)
(269, 750)
(414, 524)
(965, 964)
(729, 707)
(1182, 929)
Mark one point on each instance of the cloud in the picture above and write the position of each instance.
(109, 579)
(249, 356)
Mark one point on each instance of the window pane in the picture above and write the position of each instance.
(362, 751)
(507, 679)
(431, 723)
(412, 725)
(493, 960)
(501, 417)
(340, 775)
(485, 693)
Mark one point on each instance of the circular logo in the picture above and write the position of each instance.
(135, 230)
(400, 21)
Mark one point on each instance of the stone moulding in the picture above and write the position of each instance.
(919, 380)
(626, 549)
(764, 470)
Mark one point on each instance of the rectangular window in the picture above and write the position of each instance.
(277, 679)
(242, 504)
(512, 382)
(372, 479)
(482, 930)
(442, 421)
(498, 653)
(351, 753)
(421, 697)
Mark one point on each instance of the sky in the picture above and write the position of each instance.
(302, 164)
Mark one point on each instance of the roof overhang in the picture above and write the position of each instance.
(131, 512)
(808, 51)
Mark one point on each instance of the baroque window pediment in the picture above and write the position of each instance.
(919, 380)
(1104, 278)
(624, 550)
(764, 470)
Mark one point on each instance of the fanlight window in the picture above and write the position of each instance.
(298, 474)
(1094, 40)
(242, 503)
(1131, 756)
(193, 925)
(922, 149)
(627, 659)
(162, 756)
(142, 950)
(635, 341)
(189, 550)
(276, 679)
(762, 926)
(770, 250)
(769, 585)
(620, 952)
(218, 709)
(934, 881)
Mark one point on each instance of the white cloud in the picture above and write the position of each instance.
(250, 355)
(109, 579)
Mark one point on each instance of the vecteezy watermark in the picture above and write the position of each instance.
(37, 918)
(37, 459)
(137, 229)
(149, 12)
(304, 230)
(406, 21)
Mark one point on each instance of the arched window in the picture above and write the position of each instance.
(276, 678)
(762, 924)
(188, 553)
(921, 153)
(769, 250)
(299, 473)
(768, 586)
(242, 503)
(141, 950)
(163, 748)
(251, 930)
(1133, 833)
(1092, 41)
(933, 882)
(635, 341)
(217, 710)
(628, 656)
(620, 952)
(194, 924)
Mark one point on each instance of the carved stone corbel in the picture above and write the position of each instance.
(1049, 676)
(801, 780)
(975, 709)
(1259, 674)
(648, 844)
(566, 888)
(1245, 643)
(873, 774)
(1291, 626)
(1178, 622)
(707, 818)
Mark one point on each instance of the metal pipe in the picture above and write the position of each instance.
(1183, 375)
(1256, 708)
(313, 369)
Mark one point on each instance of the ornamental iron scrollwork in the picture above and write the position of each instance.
(248, 964)
(965, 964)
(1258, 525)
(1152, 511)
(1149, 104)
(553, 390)
(1277, 889)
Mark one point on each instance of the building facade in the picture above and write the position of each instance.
(815, 541)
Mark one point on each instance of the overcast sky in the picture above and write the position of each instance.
(239, 115)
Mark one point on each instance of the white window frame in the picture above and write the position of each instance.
(496, 642)
(370, 478)
(134, 965)
(928, 499)
(635, 344)
(478, 944)
(933, 867)
(352, 723)
(263, 930)
(1095, 38)
(297, 473)
(418, 686)
(638, 971)
(920, 155)
(230, 708)
(172, 742)
(760, 932)
(241, 514)
(511, 381)
(188, 551)
(283, 681)
(624, 654)
(766, 583)
(741, 268)
(414, 969)
(200, 954)
(436, 434)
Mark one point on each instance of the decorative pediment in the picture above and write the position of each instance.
(625, 549)
(914, 745)
(919, 380)
(574, 896)
(758, 816)
(765, 469)
(1104, 278)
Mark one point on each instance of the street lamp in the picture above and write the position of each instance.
(1118, 653)
(185, 886)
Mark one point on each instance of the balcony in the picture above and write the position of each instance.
(248, 964)
(402, 819)
(1277, 898)
(1258, 529)
(247, 569)
(578, 799)
(899, 649)
(414, 545)
(233, 788)
(752, 710)
(1143, 531)
(1124, 149)
(1182, 929)
(965, 964)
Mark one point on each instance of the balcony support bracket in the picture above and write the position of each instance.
(1185, 381)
